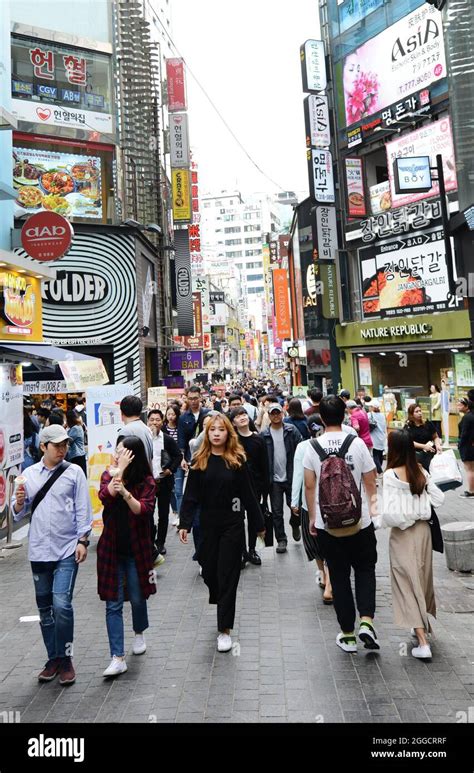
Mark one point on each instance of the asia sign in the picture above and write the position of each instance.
(181, 195)
(179, 140)
(433, 139)
(20, 307)
(321, 178)
(355, 187)
(313, 65)
(56, 85)
(65, 183)
(176, 85)
(406, 276)
(316, 114)
(186, 360)
(404, 58)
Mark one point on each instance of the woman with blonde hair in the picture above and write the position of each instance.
(219, 483)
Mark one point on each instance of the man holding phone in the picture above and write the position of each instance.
(54, 493)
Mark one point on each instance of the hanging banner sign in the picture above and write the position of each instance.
(176, 85)
(316, 114)
(313, 65)
(183, 283)
(281, 303)
(326, 227)
(180, 181)
(321, 178)
(179, 140)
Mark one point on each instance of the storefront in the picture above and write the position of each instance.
(408, 354)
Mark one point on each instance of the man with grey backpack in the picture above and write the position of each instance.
(336, 466)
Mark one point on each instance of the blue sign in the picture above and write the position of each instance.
(67, 95)
(47, 91)
(353, 11)
(19, 87)
(94, 100)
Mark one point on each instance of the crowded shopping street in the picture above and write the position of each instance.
(236, 378)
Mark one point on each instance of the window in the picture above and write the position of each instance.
(207, 204)
(250, 253)
(234, 229)
(229, 218)
(253, 240)
(234, 254)
(254, 277)
(248, 228)
(218, 203)
(254, 290)
(256, 264)
(232, 242)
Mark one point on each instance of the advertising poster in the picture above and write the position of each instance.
(103, 424)
(65, 183)
(408, 274)
(380, 198)
(410, 54)
(355, 187)
(464, 367)
(157, 398)
(11, 416)
(20, 307)
(180, 182)
(80, 374)
(365, 372)
(433, 139)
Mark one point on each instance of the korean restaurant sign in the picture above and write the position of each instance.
(176, 85)
(179, 140)
(321, 177)
(404, 58)
(355, 187)
(20, 307)
(414, 217)
(326, 227)
(56, 85)
(313, 66)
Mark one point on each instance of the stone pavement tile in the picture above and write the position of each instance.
(307, 717)
(245, 716)
(357, 716)
(273, 711)
(243, 695)
(196, 717)
(245, 705)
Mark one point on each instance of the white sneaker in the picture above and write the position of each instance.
(175, 520)
(117, 666)
(139, 645)
(346, 643)
(422, 651)
(200, 571)
(224, 642)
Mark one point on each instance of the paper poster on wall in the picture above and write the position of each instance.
(464, 366)
(11, 415)
(355, 187)
(103, 424)
(157, 398)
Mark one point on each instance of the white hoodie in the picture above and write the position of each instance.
(401, 508)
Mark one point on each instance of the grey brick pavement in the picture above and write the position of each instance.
(286, 667)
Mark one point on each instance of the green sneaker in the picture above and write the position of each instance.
(368, 635)
(348, 643)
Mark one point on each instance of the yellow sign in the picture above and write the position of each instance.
(181, 195)
(20, 307)
(80, 374)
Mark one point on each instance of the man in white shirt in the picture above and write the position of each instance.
(166, 460)
(358, 549)
(130, 409)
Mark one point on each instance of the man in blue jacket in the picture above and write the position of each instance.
(190, 425)
(281, 440)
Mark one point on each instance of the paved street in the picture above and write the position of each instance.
(286, 667)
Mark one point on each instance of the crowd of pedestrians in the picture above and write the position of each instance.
(214, 460)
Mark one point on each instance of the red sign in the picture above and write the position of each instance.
(176, 85)
(46, 236)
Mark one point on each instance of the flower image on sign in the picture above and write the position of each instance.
(404, 58)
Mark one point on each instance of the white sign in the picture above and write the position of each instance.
(412, 174)
(201, 285)
(318, 117)
(380, 198)
(103, 424)
(326, 223)
(54, 115)
(218, 313)
(322, 178)
(44, 387)
(158, 398)
(314, 66)
(11, 417)
(179, 140)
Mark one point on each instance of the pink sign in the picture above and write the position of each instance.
(431, 140)
(404, 58)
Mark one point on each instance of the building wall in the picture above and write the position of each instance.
(6, 207)
(84, 18)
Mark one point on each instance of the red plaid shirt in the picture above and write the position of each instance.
(140, 540)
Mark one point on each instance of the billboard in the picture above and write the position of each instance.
(433, 139)
(20, 307)
(407, 275)
(404, 58)
(179, 140)
(180, 181)
(355, 187)
(66, 183)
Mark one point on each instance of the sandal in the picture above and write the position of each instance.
(328, 601)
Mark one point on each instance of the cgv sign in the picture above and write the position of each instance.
(46, 236)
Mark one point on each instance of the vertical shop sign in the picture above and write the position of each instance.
(321, 178)
(176, 85)
(316, 113)
(281, 302)
(179, 140)
(313, 66)
(183, 283)
(355, 187)
(326, 227)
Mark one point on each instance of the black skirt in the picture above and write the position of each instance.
(311, 544)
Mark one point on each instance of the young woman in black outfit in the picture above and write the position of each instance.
(257, 460)
(424, 436)
(219, 483)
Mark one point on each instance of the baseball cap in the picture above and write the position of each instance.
(53, 434)
(351, 404)
(275, 407)
(374, 404)
(345, 393)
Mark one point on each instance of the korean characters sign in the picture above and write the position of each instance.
(408, 275)
(321, 178)
(413, 217)
(313, 66)
(58, 85)
(180, 181)
(197, 260)
(326, 227)
(176, 85)
(20, 307)
(316, 114)
(355, 187)
(179, 140)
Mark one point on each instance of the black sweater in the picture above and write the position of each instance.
(257, 460)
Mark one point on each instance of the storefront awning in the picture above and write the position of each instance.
(79, 370)
(374, 348)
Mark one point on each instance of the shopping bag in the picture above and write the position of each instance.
(436, 533)
(445, 472)
(268, 517)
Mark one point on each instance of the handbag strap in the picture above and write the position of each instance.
(40, 495)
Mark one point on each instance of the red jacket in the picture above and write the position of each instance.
(139, 536)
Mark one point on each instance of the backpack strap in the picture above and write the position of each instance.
(319, 450)
(345, 446)
(40, 495)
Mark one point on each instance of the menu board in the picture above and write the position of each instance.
(65, 183)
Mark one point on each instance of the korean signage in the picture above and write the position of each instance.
(80, 374)
(464, 366)
(157, 398)
(313, 65)
(326, 227)
(406, 276)
(183, 283)
(20, 307)
(416, 105)
(180, 179)
(355, 187)
(61, 86)
(412, 217)
(353, 11)
(282, 306)
(380, 198)
(179, 140)
(431, 140)
(65, 183)
(201, 286)
(197, 260)
(316, 113)
(404, 58)
(186, 360)
(274, 260)
(321, 177)
(412, 175)
(176, 85)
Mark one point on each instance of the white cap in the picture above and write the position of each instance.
(53, 434)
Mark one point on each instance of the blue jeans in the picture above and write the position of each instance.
(113, 612)
(178, 487)
(54, 586)
(174, 505)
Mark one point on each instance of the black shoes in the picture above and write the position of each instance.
(161, 549)
(254, 558)
(281, 547)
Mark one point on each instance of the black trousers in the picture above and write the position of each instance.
(279, 492)
(252, 531)
(164, 489)
(378, 459)
(343, 553)
(220, 555)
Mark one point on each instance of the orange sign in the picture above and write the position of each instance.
(281, 303)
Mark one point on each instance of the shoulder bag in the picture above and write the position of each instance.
(40, 495)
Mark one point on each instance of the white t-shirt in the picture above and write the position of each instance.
(158, 447)
(279, 455)
(358, 459)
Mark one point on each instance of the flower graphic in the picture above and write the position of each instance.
(363, 99)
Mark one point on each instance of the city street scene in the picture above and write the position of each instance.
(237, 377)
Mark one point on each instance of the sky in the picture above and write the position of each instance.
(246, 56)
